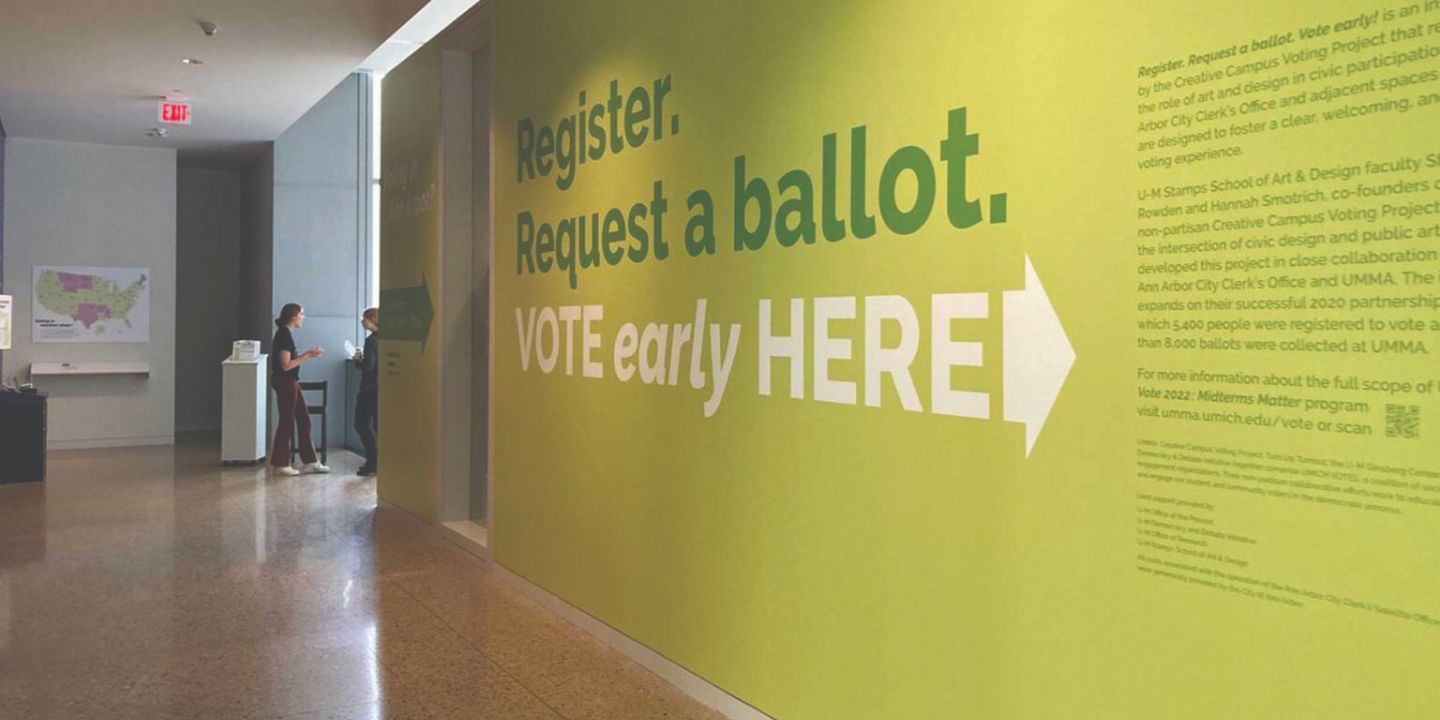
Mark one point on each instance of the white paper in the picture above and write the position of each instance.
(7, 320)
(349, 349)
(91, 305)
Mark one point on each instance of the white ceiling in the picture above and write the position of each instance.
(94, 70)
(428, 22)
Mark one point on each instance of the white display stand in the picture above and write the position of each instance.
(243, 423)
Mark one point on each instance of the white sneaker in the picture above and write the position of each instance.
(286, 471)
(314, 468)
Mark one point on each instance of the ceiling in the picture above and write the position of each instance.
(95, 70)
(428, 22)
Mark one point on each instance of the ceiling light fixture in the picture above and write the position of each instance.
(192, 61)
(208, 28)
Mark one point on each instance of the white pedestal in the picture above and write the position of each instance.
(242, 425)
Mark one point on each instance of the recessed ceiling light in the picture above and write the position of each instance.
(192, 61)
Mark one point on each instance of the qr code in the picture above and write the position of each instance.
(1402, 421)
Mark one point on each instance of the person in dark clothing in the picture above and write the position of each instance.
(285, 365)
(367, 401)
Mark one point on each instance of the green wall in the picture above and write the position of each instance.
(409, 267)
(1099, 435)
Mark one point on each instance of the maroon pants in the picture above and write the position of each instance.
(290, 403)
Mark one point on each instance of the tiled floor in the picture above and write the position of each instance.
(151, 583)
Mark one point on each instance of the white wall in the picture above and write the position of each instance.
(2, 225)
(95, 205)
(207, 253)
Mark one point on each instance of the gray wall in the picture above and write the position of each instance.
(321, 206)
(207, 252)
(257, 249)
(105, 206)
(480, 234)
(457, 133)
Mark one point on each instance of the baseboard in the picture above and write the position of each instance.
(472, 537)
(97, 443)
(688, 682)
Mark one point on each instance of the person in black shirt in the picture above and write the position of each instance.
(367, 401)
(289, 401)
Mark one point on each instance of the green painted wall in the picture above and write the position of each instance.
(1066, 498)
(409, 267)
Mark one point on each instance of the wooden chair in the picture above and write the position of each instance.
(323, 387)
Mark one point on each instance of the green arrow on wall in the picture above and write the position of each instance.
(406, 313)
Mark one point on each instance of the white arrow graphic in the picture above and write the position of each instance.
(1038, 356)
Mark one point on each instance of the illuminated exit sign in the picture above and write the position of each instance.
(174, 113)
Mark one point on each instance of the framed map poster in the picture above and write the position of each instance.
(89, 305)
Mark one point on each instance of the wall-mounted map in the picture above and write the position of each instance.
(6, 312)
(86, 304)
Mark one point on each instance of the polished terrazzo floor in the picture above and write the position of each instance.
(151, 583)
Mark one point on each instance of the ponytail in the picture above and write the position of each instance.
(287, 315)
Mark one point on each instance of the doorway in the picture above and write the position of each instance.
(464, 492)
(480, 115)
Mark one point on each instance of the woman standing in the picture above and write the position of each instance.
(289, 401)
(367, 400)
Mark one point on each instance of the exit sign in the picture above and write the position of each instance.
(174, 113)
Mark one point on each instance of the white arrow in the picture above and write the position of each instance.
(1038, 356)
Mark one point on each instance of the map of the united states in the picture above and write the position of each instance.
(93, 301)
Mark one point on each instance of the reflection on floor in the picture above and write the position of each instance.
(151, 583)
